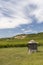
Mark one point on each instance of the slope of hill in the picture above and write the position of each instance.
(21, 39)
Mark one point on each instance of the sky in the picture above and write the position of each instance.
(20, 17)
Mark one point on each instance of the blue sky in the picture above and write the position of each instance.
(20, 16)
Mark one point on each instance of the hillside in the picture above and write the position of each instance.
(21, 39)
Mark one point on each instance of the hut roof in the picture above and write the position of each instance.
(32, 41)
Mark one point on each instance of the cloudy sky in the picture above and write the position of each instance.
(20, 16)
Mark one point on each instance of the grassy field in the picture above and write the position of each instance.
(20, 56)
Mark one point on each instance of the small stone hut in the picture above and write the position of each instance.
(32, 46)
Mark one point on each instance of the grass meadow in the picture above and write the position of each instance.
(14, 51)
(20, 56)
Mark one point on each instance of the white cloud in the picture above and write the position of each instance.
(12, 23)
(29, 31)
(23, 29)
(12, 15)
(26, 30)
(38, 12)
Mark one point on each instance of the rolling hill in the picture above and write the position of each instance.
(21, 40)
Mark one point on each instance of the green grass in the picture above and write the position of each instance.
(20, 56)
(11, 42)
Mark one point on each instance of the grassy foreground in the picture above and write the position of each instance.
(20, 56)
